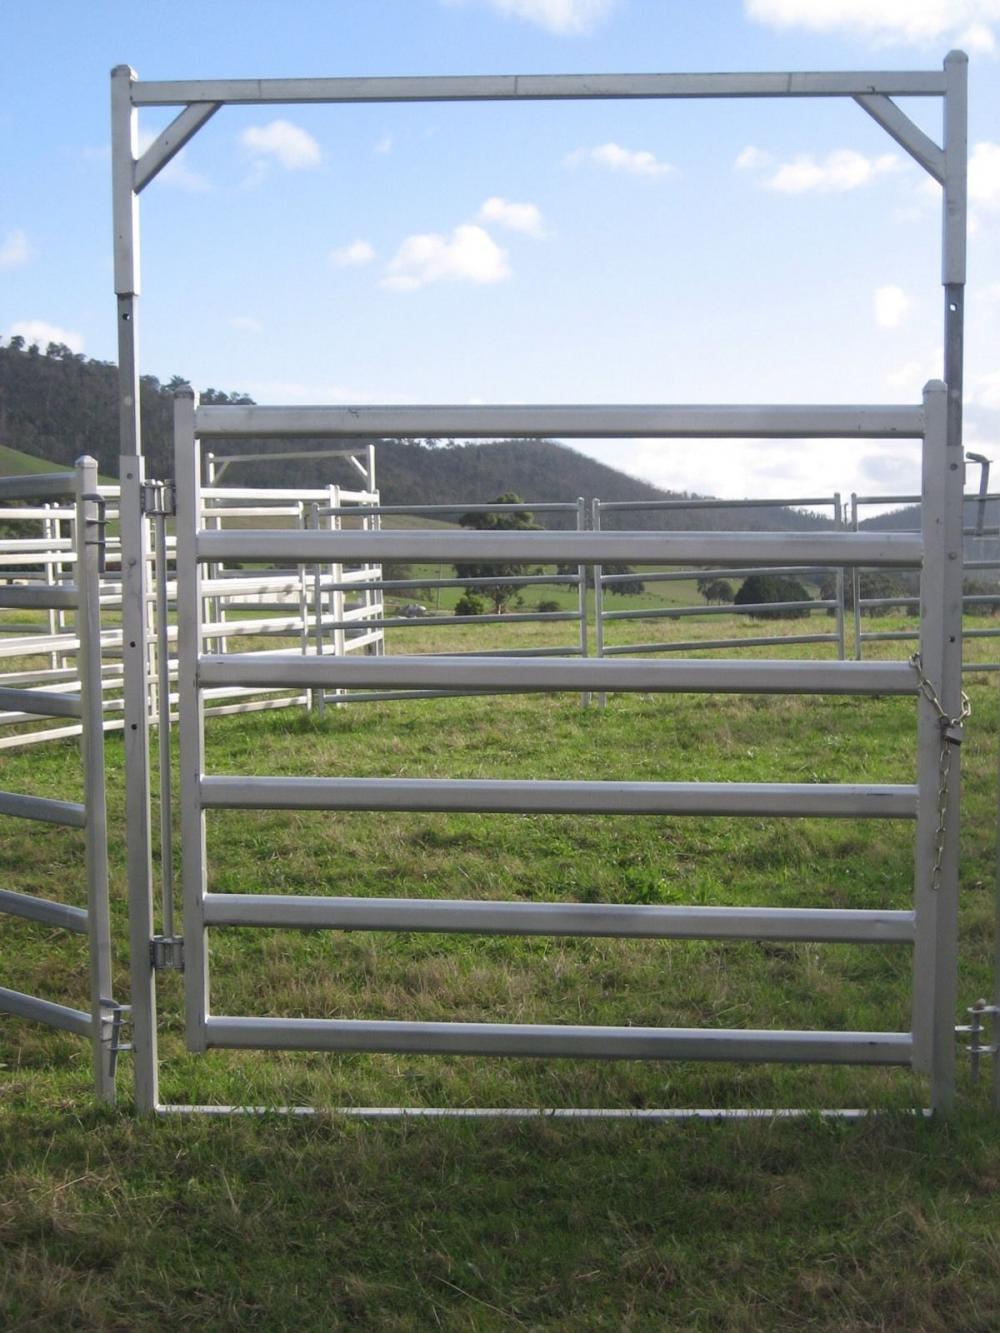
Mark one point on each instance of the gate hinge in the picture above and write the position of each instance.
(158, 497)
(976, 1047)
(166, 953)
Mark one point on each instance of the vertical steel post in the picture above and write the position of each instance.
(602, 698)
(953, 239)
(190, 708)
(161, 576)
(135, 574)
(89, 536)
(856, 582)
(581, 592)
(935, 954)
(838, 518)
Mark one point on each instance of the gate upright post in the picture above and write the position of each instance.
(135, 576)
(935, 955)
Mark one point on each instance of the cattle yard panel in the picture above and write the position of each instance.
(605, 582)
(929, 928)
(78, 591)
(985, 562)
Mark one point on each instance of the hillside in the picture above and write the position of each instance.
(58, 405)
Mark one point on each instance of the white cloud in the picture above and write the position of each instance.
(354, 255)
(989, 295)
(177, 172)
(518, 217)
(844, 169)
(634, 161)
(984, 175)
(564, 17)
(985, 391)
(752, 159)
(287, 144)
(39, 332)
(14, 250)
(884, 22)
(469, 254)
(246, 324)
(910, 377)
(891, 305)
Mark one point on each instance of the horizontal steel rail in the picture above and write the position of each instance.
(44, 486)
(691, 575)
(40, 703)
(537, 87)
(44, 911)
(760, 548)
(586, 422)
(713, 502)
(487, 796)
(271, 670)
(772, 610)
(556, 1040)
(44, 1011)
(44, 597)
(695, 645)
(68, 813)
(632, 921)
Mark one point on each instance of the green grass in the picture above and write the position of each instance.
(109, 1222)
(13, 463)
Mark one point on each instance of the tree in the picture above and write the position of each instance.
(470, 605)
(719, 591)
(760, 588)
(500, 594)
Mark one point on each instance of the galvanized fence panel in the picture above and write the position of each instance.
(928, 928)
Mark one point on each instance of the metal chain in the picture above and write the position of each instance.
(951, 735)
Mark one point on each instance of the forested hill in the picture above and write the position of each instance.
(57, 405)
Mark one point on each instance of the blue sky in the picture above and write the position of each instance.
(758, 251)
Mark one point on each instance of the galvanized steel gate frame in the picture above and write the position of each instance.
(932, 924)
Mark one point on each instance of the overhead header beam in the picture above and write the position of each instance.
(537, 87)
(585, 422)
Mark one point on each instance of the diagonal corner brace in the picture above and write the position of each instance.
(900, 127)
(170, 142)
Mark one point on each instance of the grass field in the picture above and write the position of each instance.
(108, 1222)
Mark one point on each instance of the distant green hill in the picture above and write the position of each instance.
(58, 405)
(15, 464)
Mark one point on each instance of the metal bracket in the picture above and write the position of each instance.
(158, 497)
(100, 523)
(166, 953)
(976, 1048)
(120, 1015)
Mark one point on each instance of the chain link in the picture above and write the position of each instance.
(951, 735)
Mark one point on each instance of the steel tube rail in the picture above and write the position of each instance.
(711, 502)
(761, 548)
(44, 1011)
(505, 796)
(537, 87)
(566, 422)
(772, 609)
(43, 598)
(44, 486)
(633, 921)
(370, 511)
(690, 575)
(44, 911)
(694, 645)
(68, 813)
(40, 703)
(555, 1040)
(272, 670)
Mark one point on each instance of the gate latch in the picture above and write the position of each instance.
(974, 1031)
(166, 953)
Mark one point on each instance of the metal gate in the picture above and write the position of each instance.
(101, 1020)
(928, 927)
